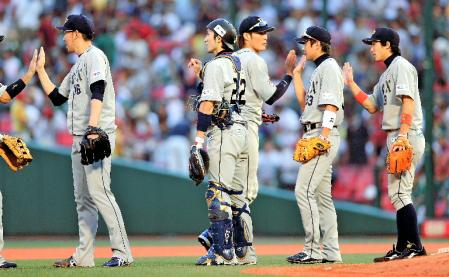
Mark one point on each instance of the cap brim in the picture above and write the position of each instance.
(301, 40)
(264, 29)
(368, 41)
(61, 28)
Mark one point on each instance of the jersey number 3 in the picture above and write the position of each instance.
(238, 97)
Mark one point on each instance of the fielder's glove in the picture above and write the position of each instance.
(15, 152)
(94, 149)
(399, 161)
(308, 148)
(269, 118)
(198, 164)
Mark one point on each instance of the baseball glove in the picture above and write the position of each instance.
(269, 118)
(308, 148)
(15, 152)
(198, 164)
(399, 161)
(94, 149)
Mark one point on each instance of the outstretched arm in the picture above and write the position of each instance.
(47, 84)
(298, 84)
(15, 88)
(358, 94)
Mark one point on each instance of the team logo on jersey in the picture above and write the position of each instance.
(96, 74)
(401, 87)
(219, 30)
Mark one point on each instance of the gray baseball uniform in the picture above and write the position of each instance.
(313, 185)
(400, 79)
(258, 89)
(92, 182)
(228, 152)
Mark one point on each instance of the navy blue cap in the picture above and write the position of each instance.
(80, 23)
(316, 33)
(383, 34)
(254, 24)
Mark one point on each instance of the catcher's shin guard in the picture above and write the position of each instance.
(222, 236)
(205, 239)
(218, 209)
(242, 234)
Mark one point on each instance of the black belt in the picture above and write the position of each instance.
(312, 126)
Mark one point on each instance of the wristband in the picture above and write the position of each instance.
(204, 121)
(15, 88)
(361, 97)
(406, 119)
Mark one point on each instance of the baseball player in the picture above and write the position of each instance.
(253, 36)
(226, 131)
(322, 108)
(397, 96)
(7, 93)
(89, 90)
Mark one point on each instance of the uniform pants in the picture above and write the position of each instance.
(92, 189)
(2, 243)
(400, 187)
(314, 198)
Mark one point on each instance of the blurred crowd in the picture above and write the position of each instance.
(149, 43)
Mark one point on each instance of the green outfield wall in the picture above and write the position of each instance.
(39, 201)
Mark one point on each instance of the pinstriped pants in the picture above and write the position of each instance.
(314, 198)
(92, 189)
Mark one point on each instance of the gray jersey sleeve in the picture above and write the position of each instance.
(96, 68)
(377, 97)
(260, 79)
(64, 88)
(213, 82)
(331, 85)
(405, 81)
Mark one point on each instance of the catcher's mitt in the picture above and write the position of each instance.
(399, 161)
(15, 152)
(269, 118)
(198, 164)
(308, 148)
(94, 149)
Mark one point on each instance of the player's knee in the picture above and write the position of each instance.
(242, 224)
(400, 200)
(218, 208)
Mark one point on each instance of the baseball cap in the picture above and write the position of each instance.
(383, 34)
(254, 24)
(81, 23)
(316, 33)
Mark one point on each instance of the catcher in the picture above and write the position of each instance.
(322, 107)
(13, 150)
(397, 96)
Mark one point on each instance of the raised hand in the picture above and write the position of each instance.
(300, 66)
(196, 66)
(41, 59)
(32, 66)
(290, 62)
(348, 75)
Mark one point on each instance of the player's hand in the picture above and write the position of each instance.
(32, 66)
(196, 66)
(348, 75)
(300, 66)
(290, 62)
(40, 59)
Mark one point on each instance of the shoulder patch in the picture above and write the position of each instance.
(402, 87)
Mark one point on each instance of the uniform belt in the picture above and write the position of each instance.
(312, 126)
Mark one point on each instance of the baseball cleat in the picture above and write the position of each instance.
(391, 255)
(69, 262)
(211, 259)
(326, 261)
(302, 258)
(411, 251)
(247, 260)
(7, 264)
(115, 261)
(205, 239)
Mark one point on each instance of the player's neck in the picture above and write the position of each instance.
(82, 47)
(390, 59)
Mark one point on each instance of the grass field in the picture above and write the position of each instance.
(165, 266)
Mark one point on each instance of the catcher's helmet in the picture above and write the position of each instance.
(225, 30)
